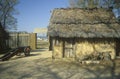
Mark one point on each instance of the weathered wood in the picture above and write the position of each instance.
(33, 40)
(50, 44)
(22, 39)
(63, 48)
(117, 47)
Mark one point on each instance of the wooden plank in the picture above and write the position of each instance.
(33, 41)
(20, 39)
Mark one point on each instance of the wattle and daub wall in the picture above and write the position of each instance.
(80, 47)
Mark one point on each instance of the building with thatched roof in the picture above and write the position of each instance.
(81, 32)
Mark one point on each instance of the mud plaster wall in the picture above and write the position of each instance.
(57, 49)
(87, 47)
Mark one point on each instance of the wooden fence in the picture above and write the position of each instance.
(22, 39)
(3, 45)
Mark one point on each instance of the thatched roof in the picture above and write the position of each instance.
(85, 23)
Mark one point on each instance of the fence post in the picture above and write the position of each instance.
(33, 41)
(18, 40)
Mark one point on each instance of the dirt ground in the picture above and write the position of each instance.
(40, 65)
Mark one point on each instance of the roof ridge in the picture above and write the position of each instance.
(95, 8)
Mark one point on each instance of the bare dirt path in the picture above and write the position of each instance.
(40, 66)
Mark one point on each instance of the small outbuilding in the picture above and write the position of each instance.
(76, 32)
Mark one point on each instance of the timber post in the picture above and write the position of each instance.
(33, 41)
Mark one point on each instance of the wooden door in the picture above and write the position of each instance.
(69, 49)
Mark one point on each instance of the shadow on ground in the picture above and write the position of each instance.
(39, 50)
(46, 68)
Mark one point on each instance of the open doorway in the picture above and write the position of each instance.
(42, 40)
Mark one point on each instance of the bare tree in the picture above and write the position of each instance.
(84, 3)
(95, 3)
(7, 10)
(113, 4)
(117, 3)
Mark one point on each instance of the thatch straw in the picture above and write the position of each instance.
(68, 16)
(86, 23)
